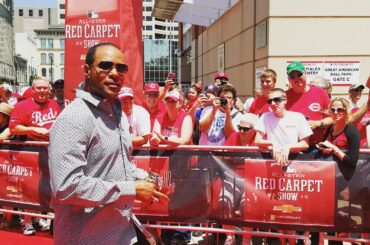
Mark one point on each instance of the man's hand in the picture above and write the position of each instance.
(204, 100)
(281, 154)
(155, 139)
(216, 102)
(148, 192)
(39, 134)
(314, 124)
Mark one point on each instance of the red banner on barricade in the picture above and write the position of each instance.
(19, 176)
(158, 166)
(91, 22)
(287, 195)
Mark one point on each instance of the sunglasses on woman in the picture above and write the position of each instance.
(107, 66)
(340, 109)
(245, 129)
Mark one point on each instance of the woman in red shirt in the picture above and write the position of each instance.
(173, 127)
(342, 135)
(339, 137)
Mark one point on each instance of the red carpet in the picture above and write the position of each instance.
(15, 236)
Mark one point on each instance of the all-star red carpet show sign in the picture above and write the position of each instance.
(19, 176)
(288, 194)
(91, 22)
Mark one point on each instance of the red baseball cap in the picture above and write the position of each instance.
(25, 93)
(151, 87)
(222, 75)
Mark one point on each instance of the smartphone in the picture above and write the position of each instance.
(171, 76)
(319, 145)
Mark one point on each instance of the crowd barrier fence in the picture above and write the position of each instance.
(235, 186)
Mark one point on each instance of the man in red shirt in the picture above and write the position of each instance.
(311, 101)
(34, 117)
(268, 81)
(152, 103)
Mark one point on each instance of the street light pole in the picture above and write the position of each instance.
(51, 69)
(31, 67)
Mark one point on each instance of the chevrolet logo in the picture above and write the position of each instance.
(287, 208)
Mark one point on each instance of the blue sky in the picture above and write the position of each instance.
(36, 3)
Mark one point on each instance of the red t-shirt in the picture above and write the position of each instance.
(161, 109)
(361, 126)
(233, 140)
(259, 106)
(31, 114)
(171, 128)
(340, 141)
(311, 104)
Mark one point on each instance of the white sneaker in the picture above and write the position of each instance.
(28, 229)
(43, 224)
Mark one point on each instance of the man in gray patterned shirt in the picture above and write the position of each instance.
(93, 181)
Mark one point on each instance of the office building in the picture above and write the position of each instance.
(7, 69)
(251, 35)
(50, 52)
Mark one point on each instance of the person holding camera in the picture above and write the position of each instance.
(219, 120)
(221, 79)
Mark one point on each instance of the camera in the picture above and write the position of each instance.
(223, 81)
(223, 102)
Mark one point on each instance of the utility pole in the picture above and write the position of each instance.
(51, 68)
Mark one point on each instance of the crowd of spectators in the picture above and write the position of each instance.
(302, 118)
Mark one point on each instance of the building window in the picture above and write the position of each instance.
(50, 43)
(62, 6)
(43, 43)
(43, 72)
(158, 27)
(62, 58)
(61, 43)
(62, 73)
(160, 36)
(62, 16)
(43, 59)
(41, 12)
(30, 12)
(20, 12)
(148, 18)
(149, 28)
(148, 9)
(51, 59)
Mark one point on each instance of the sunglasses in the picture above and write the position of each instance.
(245, 129)
(107, 66)
(156, 95)
(339, 109)
(295, 76)
(276, 100)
